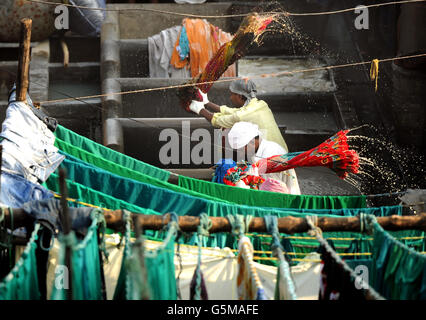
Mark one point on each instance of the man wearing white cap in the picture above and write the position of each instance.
(248, 136)
(247, 108)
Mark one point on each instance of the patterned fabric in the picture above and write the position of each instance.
(248, 283)
(334, 153)
(240, 173)
(251, 28)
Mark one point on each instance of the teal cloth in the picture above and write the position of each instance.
(95, 154)
(152, 197)
(270, 199)
(22, 282)
(85, 263)
(398, 271)
(147, 199)
(159, 283)
(117, 157)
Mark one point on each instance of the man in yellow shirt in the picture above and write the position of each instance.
(247, 108)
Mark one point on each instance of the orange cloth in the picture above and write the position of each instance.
(204, 41)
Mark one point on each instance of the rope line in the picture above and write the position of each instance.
(284, 13)
(269, 75)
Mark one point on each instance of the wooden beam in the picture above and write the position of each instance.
(22, 81)
(289, 225)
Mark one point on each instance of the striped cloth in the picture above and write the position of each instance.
(249, 286)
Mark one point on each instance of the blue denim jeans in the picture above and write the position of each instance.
(16, 190)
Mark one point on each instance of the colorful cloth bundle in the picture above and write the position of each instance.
(333, 153)
(250, 30)
(241, 173)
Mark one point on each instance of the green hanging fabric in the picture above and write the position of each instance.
(85, 151)
(85, 263)
(106, 164)
(160, 270)
(398, 271)
(22, 282)
(270, 199)
(101, 151)
(153, 200)
(132, 282)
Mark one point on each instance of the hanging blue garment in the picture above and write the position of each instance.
(16, 190)
(183, 47)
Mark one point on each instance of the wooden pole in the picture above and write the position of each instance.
(22, 81)
(66, 225)
(289, 225)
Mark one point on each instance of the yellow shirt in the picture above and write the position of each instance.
(257, 112)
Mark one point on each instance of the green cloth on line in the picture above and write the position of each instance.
(157, 281)
(85, 264)
(99, 150)
(73, 146)
(119, 169)
(398, 272)
(270, 199)
(154, 200)
(22, 282)
(145, 195)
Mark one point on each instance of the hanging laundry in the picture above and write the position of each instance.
(116, 157)
(183, 47)
(22, 282)
(160, 271)
(16, 190)
(220, 269)
(198, 280)
(47, 213)
(248, 282)
(28, 144)
(336, 282)
(160, 48)
(86, 276)
(96, 154)
(204, 41)
(398, 272)
(284, 289)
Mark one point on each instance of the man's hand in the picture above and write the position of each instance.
(204, 96)
(196, 106)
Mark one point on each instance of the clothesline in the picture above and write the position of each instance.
(284, 13)
(232, 79)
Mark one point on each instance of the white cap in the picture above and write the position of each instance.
(242, 133)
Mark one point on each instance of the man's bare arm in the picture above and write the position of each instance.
(212, 106)
(206, 114)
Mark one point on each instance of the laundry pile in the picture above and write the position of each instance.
(108, 263)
